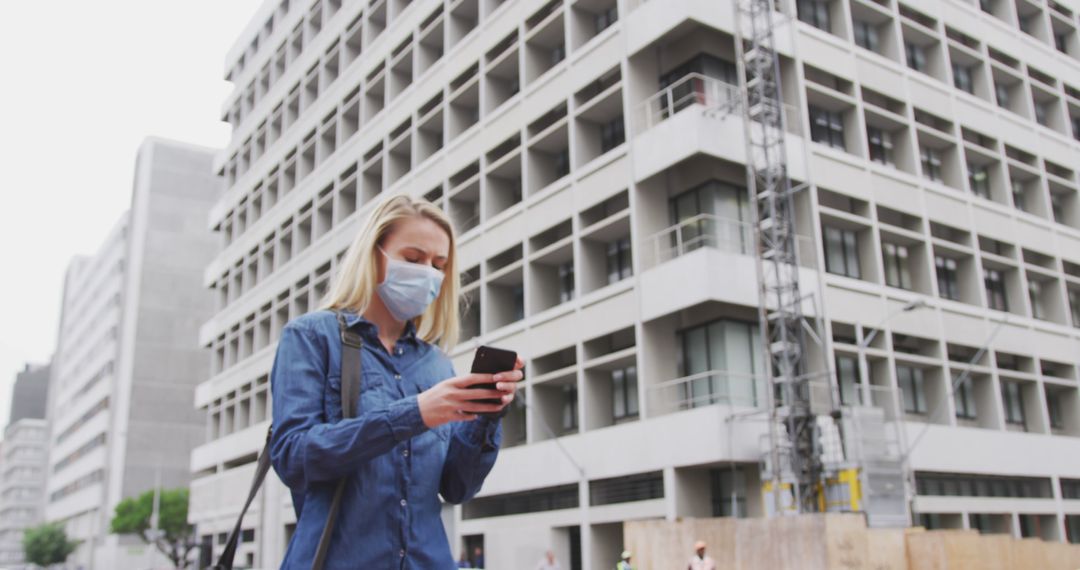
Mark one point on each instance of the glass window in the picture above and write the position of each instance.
(569, 408)
(606, 18)
(881, 145)
(827, 127)
(1001, 93)
(724, 358)
(1074, 306)
(995, 290)
(931, 162)
(866, 35)
(624, 392)
(1018, 195)
(916, 56)
(619, 264)
(612, 134)
(1053, 407)
(1012, 398)
(815, 13)
(965, 399)
(841, 252)
(912, 389)
(711, 214)
(979, 180)
(946, 278)
(896, 265)
(566, 281)
(847, 376)
(962, 78)
(1035, 298)
(1076, 128)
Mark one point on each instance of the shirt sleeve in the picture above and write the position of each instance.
(304, 448)
(474, 445)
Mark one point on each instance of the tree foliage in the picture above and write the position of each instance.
(47, 544)
(177, 538)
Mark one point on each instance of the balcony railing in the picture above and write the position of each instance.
(702, 230)
(706, 389)
(692, 89)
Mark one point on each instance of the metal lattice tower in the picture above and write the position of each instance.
(780, 301)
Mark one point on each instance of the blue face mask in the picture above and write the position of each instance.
(408, 288)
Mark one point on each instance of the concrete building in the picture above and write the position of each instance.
(23, 456)
(127, 358)
(591, 153)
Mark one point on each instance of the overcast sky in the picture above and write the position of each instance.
(83, 83)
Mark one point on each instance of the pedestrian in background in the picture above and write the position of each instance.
(624, 563)
(548, 562)
(700, 561)
(463, 561)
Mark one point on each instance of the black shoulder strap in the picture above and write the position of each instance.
(351, 346)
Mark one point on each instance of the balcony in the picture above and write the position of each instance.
(706, 389)
(699, 114)
(648, 21)
(708, 258)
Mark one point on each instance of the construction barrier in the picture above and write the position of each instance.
(835, 542)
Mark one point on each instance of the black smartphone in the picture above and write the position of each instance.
(491, 360)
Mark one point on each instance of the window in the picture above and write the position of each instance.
(827, 127)
(720, 360)
(1053, 408)
(965, 399)
(979, 180)
(728, 490)
(569, 408)
(995, 289)
(815, 13)
(566, 281)
(912, 389)
(619, 264)
(640, 487)
(1012, 398)
(518, 294)
(1001, 94)
(847, 377)
(896, 265)
(1018, 195)
(962, 78)
(1061, 42)
(612, 134)
(1035, 297)
(1074, 306)
(558, 53)
(866, 36)
(624, 393)
(562, 163)
(916, 56)
(691, 91)
(1076, 128)
(1042, 111)
(931, 163)
(841, 252)
(606, 18)
(711, 215)
(881, 146)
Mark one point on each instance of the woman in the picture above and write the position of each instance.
(417, 434)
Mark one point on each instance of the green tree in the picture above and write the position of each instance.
(176, 538)
(47, 544)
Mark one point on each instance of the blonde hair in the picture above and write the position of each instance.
(357, 276)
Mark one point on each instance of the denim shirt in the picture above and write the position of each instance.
(394, 466)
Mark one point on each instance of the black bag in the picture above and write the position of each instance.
(351, 345)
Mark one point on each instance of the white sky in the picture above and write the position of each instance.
(83, 82)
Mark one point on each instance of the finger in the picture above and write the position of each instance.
(471, 379)
(506, 387)
(507, 399)
(469, 394)
(475, 408)
(511, 376)
(519, 364)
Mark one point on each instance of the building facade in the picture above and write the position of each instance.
(591, 154)
(127, 361)
(23, 457)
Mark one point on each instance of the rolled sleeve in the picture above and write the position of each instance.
(404, 419)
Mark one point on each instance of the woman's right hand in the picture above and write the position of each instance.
(451, 400)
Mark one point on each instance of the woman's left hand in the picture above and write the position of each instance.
(507, 382)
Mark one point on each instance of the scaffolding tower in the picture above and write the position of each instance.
(780, 304)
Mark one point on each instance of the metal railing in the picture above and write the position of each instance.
(702, 230)
(690, 90)
(705, 389)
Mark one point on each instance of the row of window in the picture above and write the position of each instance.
(83, 450)
(1050, 295)
(77, 485)
(986, 73)
(969, 485)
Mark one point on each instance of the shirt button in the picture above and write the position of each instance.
(405, 453)
(397, 376)
(401, 553)
(403, 502)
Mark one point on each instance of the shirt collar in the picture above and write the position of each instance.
(371, 330)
